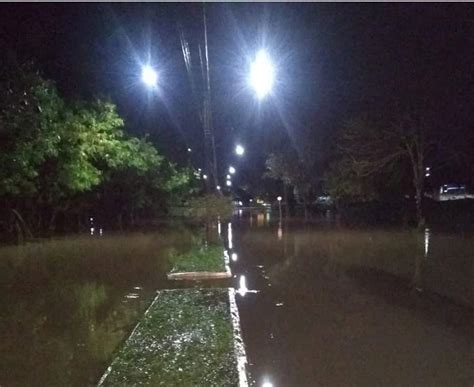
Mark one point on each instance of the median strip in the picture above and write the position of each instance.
(200, 263)
(187, 337)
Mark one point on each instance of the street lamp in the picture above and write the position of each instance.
(228, 183)
(231, 170)
(239, 150)
(262, 74)
(149, 76)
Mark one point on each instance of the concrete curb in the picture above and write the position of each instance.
(239, 347)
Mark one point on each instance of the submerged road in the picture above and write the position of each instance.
(325, 306)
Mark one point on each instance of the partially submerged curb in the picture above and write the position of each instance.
(143, 359)
(203, 275)
(239, 347)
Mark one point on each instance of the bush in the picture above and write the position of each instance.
(209, 207)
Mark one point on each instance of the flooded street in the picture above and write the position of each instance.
(67, 304)
(336, 307)
(319, 304)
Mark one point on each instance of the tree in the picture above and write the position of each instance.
(368, 149)
(294, 171)
(64, 158)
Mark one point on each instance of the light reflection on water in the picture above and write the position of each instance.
(242, 290)
(427, 241)
(229, 235)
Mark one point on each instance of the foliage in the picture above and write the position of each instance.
(210, 207)
(69, 158)
(369, 150)
(201, 257)
(343, 184)
(293, 171)
(185, 339)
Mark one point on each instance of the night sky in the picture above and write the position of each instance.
(333, 61)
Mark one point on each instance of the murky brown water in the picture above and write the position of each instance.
(67, 304)
(334, 306)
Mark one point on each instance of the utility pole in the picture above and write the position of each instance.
(204, 103)
(209, 141)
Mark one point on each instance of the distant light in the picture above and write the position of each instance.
(189, 149)
(199, 169)
(240, 203)
(427, 168)
(239, 150)
(250, 200)
(234, 257)
(262, 74)
(427, 174)
(228, 183)
(267, 384)
(228, 177)
(231, 170)
(149, 76)
(279, 198)
(204, 177)
(218, 187)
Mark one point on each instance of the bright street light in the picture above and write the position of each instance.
(262, 74)
(239, 150)
(228, 183)
(149, 76)
(231, 170)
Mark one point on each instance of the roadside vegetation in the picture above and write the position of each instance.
(201, 257)
(70, 160)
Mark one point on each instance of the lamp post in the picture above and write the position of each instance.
(279, 205)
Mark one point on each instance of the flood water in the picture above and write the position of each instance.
(320, 304)
(355, 307)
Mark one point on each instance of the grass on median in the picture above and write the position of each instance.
(199, 258)
(185, 339)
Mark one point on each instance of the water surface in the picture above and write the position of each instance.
(67, 304)
(349, 307)
(320, 304)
